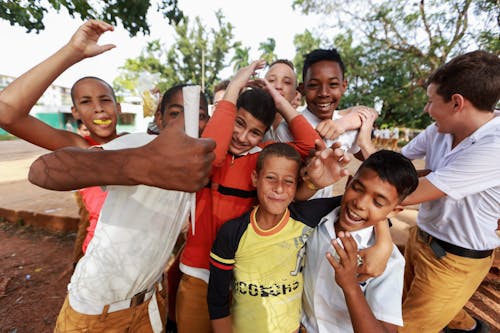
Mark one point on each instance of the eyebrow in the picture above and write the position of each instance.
(175, 105)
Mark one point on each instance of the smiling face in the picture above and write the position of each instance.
(283, 79)
(367, 200)
(247, 133)
(95, 106)
(276, 184)
(323, 87)
(439, 110)
(174, 108)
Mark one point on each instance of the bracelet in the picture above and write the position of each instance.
(310, 185)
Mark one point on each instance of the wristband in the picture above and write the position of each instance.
(310, 185)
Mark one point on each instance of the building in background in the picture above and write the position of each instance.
(54, 108)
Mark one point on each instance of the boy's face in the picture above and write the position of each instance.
(439, 110)
(175, 108)
(283, 79)
(366, 201)
(95, 107)
(323, 87)
(276, 184)
(247, 133)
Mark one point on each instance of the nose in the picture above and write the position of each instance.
(242, 135)
(324, 90)
(426, 108)
(98, 107)
(279, 187)
(361, 202)
(277, 85)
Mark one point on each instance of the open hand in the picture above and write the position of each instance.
(85, 39)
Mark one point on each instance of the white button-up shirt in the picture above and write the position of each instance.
(324, 306)
(469, 174)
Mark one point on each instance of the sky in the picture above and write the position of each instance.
(253, 21)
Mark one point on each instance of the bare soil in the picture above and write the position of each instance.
(35, 267)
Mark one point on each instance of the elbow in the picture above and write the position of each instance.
(6, 116)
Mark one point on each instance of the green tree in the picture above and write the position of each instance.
(241, 56)
(267, 49)
(197, 56)
(304, 43)
(399, 43)
(132, 14)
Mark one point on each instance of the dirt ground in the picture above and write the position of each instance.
(35, 264)
(35, 267)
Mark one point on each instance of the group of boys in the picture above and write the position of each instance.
(116, 284)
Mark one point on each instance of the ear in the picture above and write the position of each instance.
(458, 102)
(118, 108)
(75, 113)
(254, 178)
(396, 210)
(158, 119)
(301, 88)
(344, 86)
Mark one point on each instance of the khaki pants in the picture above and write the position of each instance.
(134, 319)
(191, 306)
(435, 290)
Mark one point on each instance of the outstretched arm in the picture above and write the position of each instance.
(17, 99)
(171, 161)
(362, 317)
(331, 129)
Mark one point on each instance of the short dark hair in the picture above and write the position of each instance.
(395, 169)
(320, 55)
(283, 61)
(278, 149)
(167, 96)
(72, 92)
(259, 104)
(474, 75)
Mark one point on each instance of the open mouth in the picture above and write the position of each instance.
(353, 218)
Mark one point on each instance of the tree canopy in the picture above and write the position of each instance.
(197, 56)
(132, 14)
(391, 47)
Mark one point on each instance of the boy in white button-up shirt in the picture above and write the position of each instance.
(451, 250)
(333, 300)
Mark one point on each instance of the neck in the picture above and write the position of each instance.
(470, 125)
(266, 220)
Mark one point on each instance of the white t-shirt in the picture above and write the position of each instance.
(324, 306)
(469, 174)
(133, 240)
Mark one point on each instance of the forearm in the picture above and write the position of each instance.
(222, 325)
(362, 318)
(17, 99)
(304, 135)
(74, 168)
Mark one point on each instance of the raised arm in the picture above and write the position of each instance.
(171, 161)
(325, 168)
(220, 127)
(17, 99)
(362, 317)
(364, 140)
